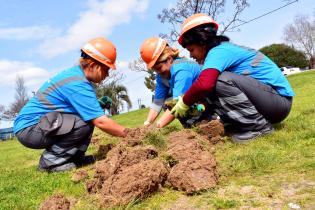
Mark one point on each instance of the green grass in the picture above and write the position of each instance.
(268, 173)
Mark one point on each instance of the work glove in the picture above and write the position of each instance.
(180, 108)
(105, 100)
(201, 107)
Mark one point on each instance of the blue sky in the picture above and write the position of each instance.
(39, 38)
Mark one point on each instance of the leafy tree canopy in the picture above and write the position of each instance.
(284, 55)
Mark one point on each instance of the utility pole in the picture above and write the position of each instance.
(139, 103)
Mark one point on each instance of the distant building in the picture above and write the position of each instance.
(6, 129)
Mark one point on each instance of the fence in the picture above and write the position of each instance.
(6, 133)
(6, 129)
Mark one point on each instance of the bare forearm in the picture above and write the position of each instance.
(165, 119)
(152, 115)
(109, 126)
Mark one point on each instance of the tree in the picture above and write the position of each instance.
(176, 15)
(183, 9)
(301, 34)
(117, 92)
(21, 97)
(284, 55)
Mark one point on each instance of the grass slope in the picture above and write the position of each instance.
(269, 173)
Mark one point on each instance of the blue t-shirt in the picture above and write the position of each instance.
(68, 92)
(183, 73)
(245, 61)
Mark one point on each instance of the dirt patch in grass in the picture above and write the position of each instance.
(54, 202)
(133, 170)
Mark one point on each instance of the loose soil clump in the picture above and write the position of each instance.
(135, 136)
(194, 174)
(137, 181)
(56, 202)
(134, 171)
(196, 167)
(213, 130)
(127, 173)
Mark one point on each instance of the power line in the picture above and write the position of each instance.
(128, 82)
(245, 22)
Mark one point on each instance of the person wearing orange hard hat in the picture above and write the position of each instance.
(248, 90)
(60, 118)
(174, 77)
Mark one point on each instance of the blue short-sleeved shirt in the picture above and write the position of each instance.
(68, 92)
(245, 61)
(183, 73)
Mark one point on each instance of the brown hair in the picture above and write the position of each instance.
(168, 52)
(85, 62)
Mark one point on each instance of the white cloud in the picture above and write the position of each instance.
(99, 20)
(33, 76)
(27, 33)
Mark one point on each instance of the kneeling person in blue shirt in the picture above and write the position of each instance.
(61, 117)
(174, 77)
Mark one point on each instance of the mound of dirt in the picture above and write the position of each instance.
(196, 168)
(122, 156)
(213, 130)
(137, 181)
(56, 202)
(183, 144)
(194, 174)
(134, 171)
(118, 159)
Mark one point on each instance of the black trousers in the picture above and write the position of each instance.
(247, 103)
(59, 149)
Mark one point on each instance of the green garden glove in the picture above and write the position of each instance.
(180, 108)
(201, 108)
(105, 102)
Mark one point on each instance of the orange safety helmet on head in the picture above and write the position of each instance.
(151, 49)
(194, 21)
(101, 50)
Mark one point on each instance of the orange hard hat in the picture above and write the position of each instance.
(151, 49)
(101, 50)
(194, 21)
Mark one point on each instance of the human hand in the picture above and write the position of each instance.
(180, 108)
(146, 123)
